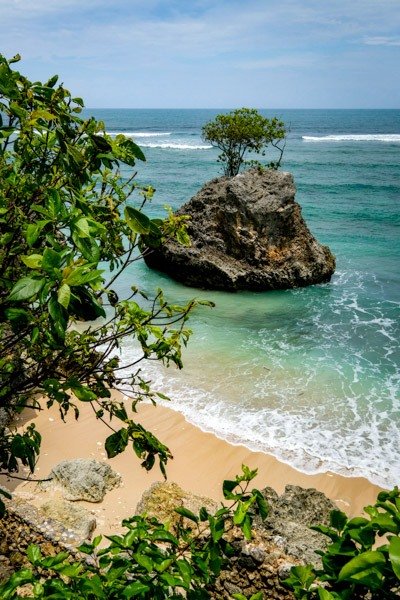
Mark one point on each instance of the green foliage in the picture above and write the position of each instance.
(147, 562)
(244, 130)
(353, 566)
(70, 225)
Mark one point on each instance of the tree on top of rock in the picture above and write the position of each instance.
(240, 131)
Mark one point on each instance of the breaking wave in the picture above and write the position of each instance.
(176, 146)
(355, 137)
(143, 134)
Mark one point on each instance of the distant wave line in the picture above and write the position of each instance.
(173, 146)
(355, 137)
(141, 133)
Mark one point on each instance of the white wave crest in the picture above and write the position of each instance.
(151, 133)
(355, 137)
(176, 146)
(143, 134)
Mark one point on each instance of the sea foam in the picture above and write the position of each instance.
(143, 134)
(176, 146)
(355, 137)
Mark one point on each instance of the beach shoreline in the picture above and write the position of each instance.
(201, 462)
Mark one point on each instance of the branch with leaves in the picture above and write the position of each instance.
(71, 224)
(149, 561)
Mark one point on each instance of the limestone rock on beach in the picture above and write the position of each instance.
(83, 479)
(247, 233)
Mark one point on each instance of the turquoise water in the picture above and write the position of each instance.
(309, 375)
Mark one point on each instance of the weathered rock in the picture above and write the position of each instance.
(246, 232)
(71, 516)
(84, 479)
(161, 499)
(290, 517)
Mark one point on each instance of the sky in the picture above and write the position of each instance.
(211, 54)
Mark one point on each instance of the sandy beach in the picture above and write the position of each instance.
(201, 462)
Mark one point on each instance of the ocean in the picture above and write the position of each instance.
(308, 375)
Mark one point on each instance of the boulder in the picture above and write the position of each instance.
(84, 479)
(247, 233)
(290, 517)
(71, 516)
(161, 499)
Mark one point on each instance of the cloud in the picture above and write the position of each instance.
(195, 45)
(294, 61)
(382, 41)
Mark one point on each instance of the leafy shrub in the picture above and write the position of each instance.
(353, 566)
(71, 223)
(149, 561)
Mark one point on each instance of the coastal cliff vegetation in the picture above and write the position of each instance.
(70, 226)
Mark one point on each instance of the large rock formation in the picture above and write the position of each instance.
(247, 233)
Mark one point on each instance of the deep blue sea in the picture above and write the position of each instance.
(309, 375)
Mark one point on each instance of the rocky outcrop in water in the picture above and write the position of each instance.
(247, 233)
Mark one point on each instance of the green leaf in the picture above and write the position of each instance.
(42, 114)
(227, 488)
(365, 568)
(25, 289)
(385, 523)
(51, 260)
(188, 514)
(394, 555)
(136, 220)
(325, 595)
(18, 317)
(161, 535)
(144, 561)
(69, 570)
(116, 443)
(57, 313)
(88, 247)
(17, 110)
(5, 493)
(338, 519)
(135, 589)
(203, 514)
(262, 504)
(185, 570)
(33, 231)
(83, 393)
(33, 261)
(126, 150)
(16, 580)
(34, 554)
(82, 228)
(64, 295)
(246, 527)
(81, 276)
(75, 155)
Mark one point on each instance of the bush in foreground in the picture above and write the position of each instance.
(354, 566)
(149, 561)
(71, 223)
